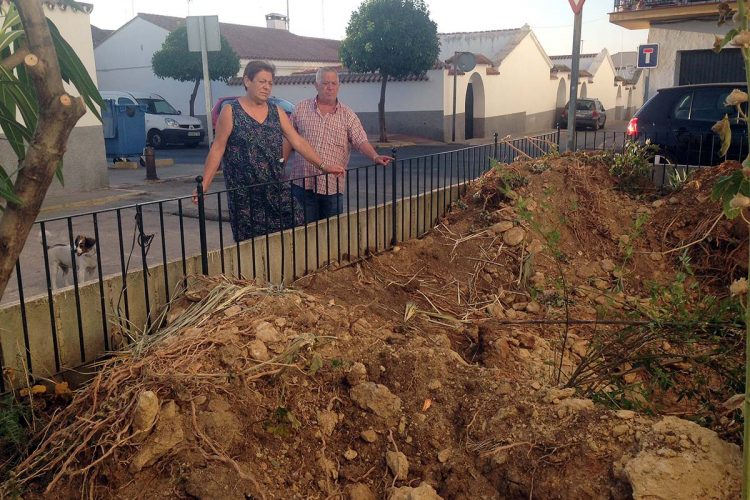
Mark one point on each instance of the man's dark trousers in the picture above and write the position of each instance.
(317, 206)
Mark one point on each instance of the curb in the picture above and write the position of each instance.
(92, 202)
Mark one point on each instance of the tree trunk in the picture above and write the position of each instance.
(381, 108)
(58, 114)
(192, 97)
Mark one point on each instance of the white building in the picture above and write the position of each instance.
(84, 163)
(123, 58)
(685, 32)
(515, 88)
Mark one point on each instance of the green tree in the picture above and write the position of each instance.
(395, 38)
(36, 116)
(174, 60)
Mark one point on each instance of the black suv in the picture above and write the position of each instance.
(679, 121)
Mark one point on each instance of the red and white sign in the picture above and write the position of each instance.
(576, 5)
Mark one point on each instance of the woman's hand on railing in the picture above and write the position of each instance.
(382, 160)
(195, 196)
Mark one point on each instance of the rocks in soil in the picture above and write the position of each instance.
(496, 311)
(357, 374)
(146, 410)
(444, 455)
(267, 333)
(555, 395)
(350, 454)
(369, 436)
(710, 469)
(258, 350)
(327, 421)
(501, 227)
(398, 464)
(376, 398)
(166, 436)
(360, 491)
(607, 265)
(514, 236)
(423, 492)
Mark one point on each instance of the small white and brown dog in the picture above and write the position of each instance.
(60, 263)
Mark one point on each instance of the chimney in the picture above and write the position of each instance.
(277, 21)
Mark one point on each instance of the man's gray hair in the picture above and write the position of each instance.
(322, 71)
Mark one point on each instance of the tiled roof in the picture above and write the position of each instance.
(98, 35)
(479, 58)
(255, 42)
(495, 44)
(309, 79)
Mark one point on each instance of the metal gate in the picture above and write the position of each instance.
(706, 66)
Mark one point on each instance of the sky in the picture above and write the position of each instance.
(551, 20)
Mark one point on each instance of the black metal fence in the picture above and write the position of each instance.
(379, 207)
(676, 153)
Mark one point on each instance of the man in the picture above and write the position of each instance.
(330, 127)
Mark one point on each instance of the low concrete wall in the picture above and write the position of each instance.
(278, 258)
(421, 123)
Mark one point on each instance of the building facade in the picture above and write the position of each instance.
(685, 31)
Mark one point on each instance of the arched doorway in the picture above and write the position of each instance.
(562, 95)
(583, 93)
(474, 108)
(619, 114)
(469, 112)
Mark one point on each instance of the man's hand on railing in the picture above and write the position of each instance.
(335, 170)
(382, 160)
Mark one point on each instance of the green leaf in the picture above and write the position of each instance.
(315, 365)
(720, 43)
(6, 188)
(725, 189)
(15, 132)
(74, 72)
(59, 172)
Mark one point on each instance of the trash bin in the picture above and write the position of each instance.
(124, 130)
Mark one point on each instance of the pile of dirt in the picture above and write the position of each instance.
(469, 363)
(692, 220)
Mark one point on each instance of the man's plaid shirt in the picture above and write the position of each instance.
(330, 135)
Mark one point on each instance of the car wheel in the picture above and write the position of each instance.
(155, 139)
(604, 122)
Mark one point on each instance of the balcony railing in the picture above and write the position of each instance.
(626, 5)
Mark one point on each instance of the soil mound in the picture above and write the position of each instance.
(529, 346)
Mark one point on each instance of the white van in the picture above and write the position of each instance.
(164, 124)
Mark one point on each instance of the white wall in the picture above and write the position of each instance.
(690, 35)
(364, 97)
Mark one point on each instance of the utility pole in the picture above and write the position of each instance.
(577, 6)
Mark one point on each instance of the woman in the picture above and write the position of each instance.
(249, 136)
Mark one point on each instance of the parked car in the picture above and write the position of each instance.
(589, 113)
(221, 101)
(679, 121)
(164, 124)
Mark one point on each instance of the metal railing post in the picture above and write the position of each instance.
(558, 136)
(394, 235)
(202, 224)
(495, 138)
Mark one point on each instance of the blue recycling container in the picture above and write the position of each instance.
(124, 129)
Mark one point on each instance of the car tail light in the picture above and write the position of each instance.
(632, 129)
(595, 114)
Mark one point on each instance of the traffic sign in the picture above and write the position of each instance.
(648, 55)
(576, 5)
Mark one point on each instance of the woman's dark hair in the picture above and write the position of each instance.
(255, 67)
